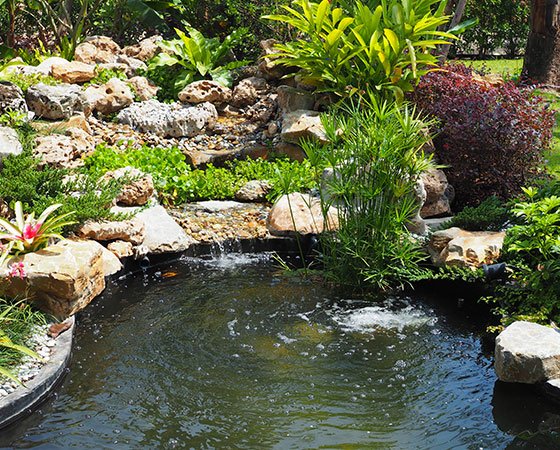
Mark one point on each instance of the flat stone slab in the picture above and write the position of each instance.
(24, 399)
(527, 352)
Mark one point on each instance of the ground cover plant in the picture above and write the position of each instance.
(492, 214)
(178, 183)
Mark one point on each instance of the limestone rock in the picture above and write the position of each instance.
(133, 65)
(73, 72)
(143, 88)
(292, 99)
(527, 353)
(97, 49)
(61, 279)
(120, 249)
(205, 91)
(248, 91)
(45, 67)
(253, 191)
(145, 50)
(166, 120)
(138, 191)
(456, 247)
(163, 234)
(303, 124)
(57, 102)
(307, 216)
(132, 230)
(9, 143)
(11, 98)
(439, 194)
(111, 264)
(110, 97)
(60, 150)
(262, 111)
(292, 151)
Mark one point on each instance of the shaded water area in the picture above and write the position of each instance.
(231, 353)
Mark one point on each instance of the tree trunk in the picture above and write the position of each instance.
(542, 54)
(459, 10)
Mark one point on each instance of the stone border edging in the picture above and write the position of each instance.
(24, 399)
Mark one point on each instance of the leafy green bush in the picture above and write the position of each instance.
(532, 248)
(177, 183)
(383, 46)
(491, 215)
(196, 57)
(376, 154)
(103, 75)
(25, 81)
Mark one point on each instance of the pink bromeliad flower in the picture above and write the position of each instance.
(17, 270)
(30, 231)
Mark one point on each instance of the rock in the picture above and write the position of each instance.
(110, 97)
(439, 194)
(9, 143)
(61, 279)
(163, 234)
(133, 65)
(302, 124)
(205, 91)
(120, 249)
(143, 88)
(60, 150)
(73, 72)
(138, 191)
(292, 151)
(291, 99)
(145, 50)
(167, 120)
(307, 216)
(248, 91)
(111, 264)
(417, 224)
(266, 66)
(61, 101)
(456, 247)
(132, 230)
(527, 353)
(97, 49)
(254, 191)
(45, 67)
(11, 98)
(262, 111)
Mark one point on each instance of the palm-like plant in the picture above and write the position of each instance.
(28, 234)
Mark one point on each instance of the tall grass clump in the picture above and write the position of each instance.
(376, 156)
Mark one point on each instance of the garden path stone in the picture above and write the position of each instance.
(527, 353)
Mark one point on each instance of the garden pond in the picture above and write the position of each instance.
(231, 352)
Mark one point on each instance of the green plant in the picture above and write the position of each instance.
(492, 214)
(383, 46)
(28, 234)
(193, 57)
(375, 154)
(13, 119)
(532, 248)
(25, 81)
(103, 75)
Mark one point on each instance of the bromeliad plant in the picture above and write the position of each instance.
(28, 234)
(193, 57)
(382, 45)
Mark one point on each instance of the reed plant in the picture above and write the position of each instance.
(376, 158)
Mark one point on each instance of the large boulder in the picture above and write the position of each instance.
(73, 72)
(63, 150)
(300, 214)
(9, 143)
(138, 189)
(167, 120)
(97, 49)
(301, 124)
(110, 97)
(61, 101)
(249, 91)
(439, 194)
(291, 99)
(11, 98)
(456, 247)
(205, 91)
(143, 88)
(132, 230)
(527, 353)
(61, 279)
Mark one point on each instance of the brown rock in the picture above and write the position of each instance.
(120, 249)
(145, 49)
(439, 194)
(205, 91)
(143, 88)
(302, 124)
(73, 72)
(110, 97)
(61, 279)
(132, 231)
(138, 191)
(63, 150)
(253, 191)
(97, 49)
(248, 91)
(307, 216)
(292, 99)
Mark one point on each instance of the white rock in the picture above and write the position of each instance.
(9, 143)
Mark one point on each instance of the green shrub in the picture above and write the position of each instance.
(491, 215)
(26, 81)
(382, 45)
(177, 182)
(376, 154)
(103, 75)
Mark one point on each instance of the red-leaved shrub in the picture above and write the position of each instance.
(491, 137)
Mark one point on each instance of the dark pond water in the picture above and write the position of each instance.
(230, 353)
